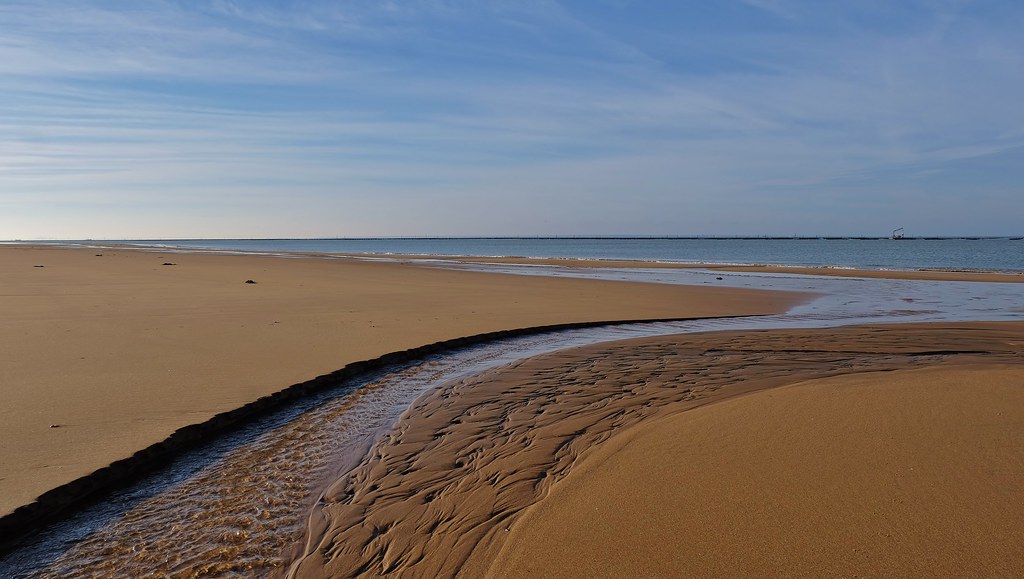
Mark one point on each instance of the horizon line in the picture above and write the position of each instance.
(525, 237)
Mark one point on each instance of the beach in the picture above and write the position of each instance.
(438, 289)
(912, 473)
(107, 351)
(921, 274)
(888, 449)
(880, 450)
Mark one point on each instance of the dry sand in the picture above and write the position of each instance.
(104, 355)
(917, 473)
(676, 456)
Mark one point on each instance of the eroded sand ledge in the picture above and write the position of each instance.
(103, 355)
(462, 485)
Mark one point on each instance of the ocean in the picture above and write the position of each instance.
(1004, 254)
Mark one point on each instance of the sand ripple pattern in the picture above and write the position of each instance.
(246, 511)
(240, 514)
(436, 496)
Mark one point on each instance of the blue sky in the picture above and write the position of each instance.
(144, 119)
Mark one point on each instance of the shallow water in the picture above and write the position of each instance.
(237, 505)
(997, 254)
(867, 299)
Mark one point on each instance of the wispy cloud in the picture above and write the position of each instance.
(779, 8)
(465, 117)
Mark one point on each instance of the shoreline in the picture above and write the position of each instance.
(570, 430)
(110, 351)
(403, 271)
(927, 274)
(406, 509)
(66, 499)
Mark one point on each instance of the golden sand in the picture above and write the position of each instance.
(105, 354)
(915, 473)
(677, 456)
(892, 451)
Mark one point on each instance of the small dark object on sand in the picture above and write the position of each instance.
(38, 266)
(54, 426)
(169, 263)
(249, 281)
(99, 255)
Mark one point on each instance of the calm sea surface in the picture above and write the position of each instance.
(993, 254)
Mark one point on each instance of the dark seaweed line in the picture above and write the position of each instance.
(70, 498)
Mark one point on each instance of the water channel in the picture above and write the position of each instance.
(237, 505)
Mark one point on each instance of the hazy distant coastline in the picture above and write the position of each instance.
(990, 254)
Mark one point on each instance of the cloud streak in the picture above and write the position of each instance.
(462, 117)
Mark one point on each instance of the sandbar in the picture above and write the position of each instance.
(908, 274)
(924, 274)
(106, 351)
(871, 450)
(914, 473)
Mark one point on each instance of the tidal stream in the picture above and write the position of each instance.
(240, 504)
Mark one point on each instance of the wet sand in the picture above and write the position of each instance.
(105, 354)
(921, 274)
(884, 450)
(917, 274)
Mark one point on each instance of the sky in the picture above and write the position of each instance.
(349, 118)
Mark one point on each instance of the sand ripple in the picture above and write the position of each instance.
(437, 495)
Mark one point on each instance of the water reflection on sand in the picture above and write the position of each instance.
(237, 506)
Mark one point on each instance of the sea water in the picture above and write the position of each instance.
(1004, 254)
